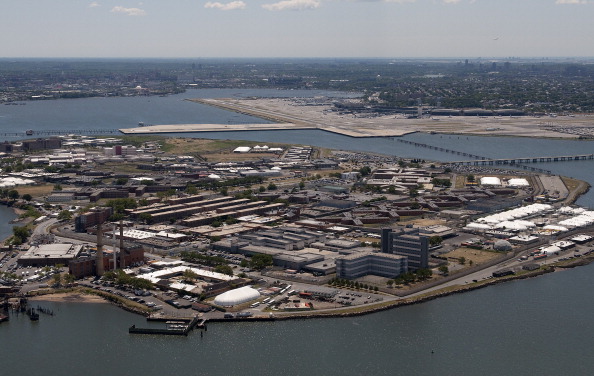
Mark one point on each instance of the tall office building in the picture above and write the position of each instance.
(409, 243)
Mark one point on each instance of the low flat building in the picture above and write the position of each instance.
(50, 254)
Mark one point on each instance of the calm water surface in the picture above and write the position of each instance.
(538, 326)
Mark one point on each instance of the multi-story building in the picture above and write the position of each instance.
(364, 263)
(92, 218)
(409, 243)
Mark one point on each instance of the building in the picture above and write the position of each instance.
(86, 266)
(364, 263)
(407, 242)
(92, 218)
(50, 254)
(42, 143)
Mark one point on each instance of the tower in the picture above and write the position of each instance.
(99, 267)
(122, 251)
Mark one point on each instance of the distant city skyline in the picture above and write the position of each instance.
(297, 28)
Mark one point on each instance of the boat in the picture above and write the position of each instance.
(29, 132)
(141, 123)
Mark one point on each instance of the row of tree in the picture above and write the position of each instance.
(341, 282)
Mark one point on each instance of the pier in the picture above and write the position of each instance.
(178, 327)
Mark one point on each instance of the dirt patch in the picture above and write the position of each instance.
(36, 190)
(74, 297)
(477, 256)
(425, 222)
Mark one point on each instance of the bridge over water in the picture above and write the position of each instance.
(486, 161)
(511, 161)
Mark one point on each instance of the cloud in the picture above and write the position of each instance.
(571, 2)
(228, 6)
(128, 11)
(94, 4)
(292, 5)
(451, 1)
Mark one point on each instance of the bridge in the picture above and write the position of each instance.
(439, 148)
(486, 161)
(515, 161)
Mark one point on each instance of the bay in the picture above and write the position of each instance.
(537, 326)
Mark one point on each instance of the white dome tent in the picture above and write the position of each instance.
(236, 296)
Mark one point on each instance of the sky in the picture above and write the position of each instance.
(297, 28)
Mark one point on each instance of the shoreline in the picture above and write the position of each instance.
(86, 295)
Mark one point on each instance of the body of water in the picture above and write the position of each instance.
(537, 326)
(6, 215)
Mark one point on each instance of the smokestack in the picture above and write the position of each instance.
(122, 253)
(99, 261)
(115, 254)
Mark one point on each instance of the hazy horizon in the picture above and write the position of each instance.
(383, 29)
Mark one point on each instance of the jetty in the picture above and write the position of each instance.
(177, 327)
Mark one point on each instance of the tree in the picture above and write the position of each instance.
(57, 187)
(146, 218)
(189, 275)
(301, 185)
(262, 189)
(13, 194)
(444, 270)
(57, 279)
(424, 274)
(435, 240)
(224, 269)
(365, 170)
(64, 215)
(462, 260)
(20, 234)
(121, 181)
(191, 189)
(390, 283)
(27, 197)
(260, 261)
(272, 187)
(470, 178)
(68, 278)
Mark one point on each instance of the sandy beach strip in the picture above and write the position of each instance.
(69, 297)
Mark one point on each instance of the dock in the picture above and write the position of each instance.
(176, 327)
